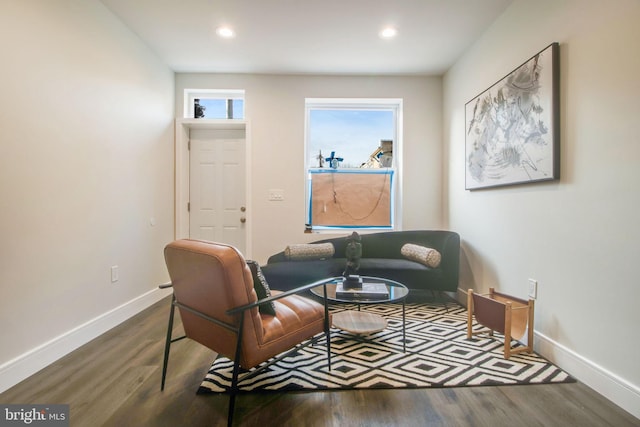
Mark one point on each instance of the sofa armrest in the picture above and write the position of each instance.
(450, 263)
(279, 257)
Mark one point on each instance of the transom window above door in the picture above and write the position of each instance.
(218, 104)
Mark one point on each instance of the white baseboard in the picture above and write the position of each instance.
(616, 389)
(27, 364)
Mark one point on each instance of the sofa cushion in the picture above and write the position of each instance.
(309, 251)
(409, 273)
(261, 287)
(427, 256)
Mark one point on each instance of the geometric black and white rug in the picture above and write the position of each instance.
(438, 354)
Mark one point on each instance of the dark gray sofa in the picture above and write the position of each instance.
(381, 257)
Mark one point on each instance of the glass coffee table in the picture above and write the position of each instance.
(363, 322)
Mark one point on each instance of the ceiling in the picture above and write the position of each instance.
(309, 36)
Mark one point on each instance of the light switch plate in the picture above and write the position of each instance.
(115, 276)
(276, 195)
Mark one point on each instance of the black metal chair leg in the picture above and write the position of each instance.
(236, 373)
(167, 345)
(233, 393)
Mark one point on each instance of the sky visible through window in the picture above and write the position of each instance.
(353, 134)
(217, 108)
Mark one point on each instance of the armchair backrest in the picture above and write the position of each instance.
(212, 278)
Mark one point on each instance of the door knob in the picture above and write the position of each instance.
(243, 220)
(243, 209)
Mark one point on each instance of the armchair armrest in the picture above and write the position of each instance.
(282, 295)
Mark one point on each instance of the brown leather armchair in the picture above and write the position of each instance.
(214, 292)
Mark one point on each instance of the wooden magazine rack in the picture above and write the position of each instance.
(502, 313)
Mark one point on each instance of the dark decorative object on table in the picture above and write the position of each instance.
(352, 281)
(353, 254)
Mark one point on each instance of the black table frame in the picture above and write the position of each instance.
(332, 282)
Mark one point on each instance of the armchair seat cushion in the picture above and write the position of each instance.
(297, 319)
(293, 313)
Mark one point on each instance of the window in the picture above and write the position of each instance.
(214, 104)
(352, 163)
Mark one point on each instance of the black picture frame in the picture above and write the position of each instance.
(512, 129)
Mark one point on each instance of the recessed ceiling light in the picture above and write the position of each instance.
(388, 33)
(225, 32)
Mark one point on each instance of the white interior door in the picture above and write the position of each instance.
(217, 196)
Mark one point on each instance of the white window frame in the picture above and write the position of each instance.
(394, 104)
(190, 95)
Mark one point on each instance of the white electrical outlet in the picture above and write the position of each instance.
(115, 276)
(533, 288)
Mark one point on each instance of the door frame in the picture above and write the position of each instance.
(181, 201)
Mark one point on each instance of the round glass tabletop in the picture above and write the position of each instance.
(375, 290)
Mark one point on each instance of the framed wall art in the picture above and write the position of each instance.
(512, 129)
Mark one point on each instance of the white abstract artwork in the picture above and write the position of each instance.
(512, 129)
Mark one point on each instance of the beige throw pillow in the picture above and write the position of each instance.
(309, 251)
(427, 256)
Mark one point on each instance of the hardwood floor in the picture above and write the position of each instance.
(115, 381)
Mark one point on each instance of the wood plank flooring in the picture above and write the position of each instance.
(115, 381)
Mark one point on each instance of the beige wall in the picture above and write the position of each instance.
(275, 109)
(86, 131)
(577, 237)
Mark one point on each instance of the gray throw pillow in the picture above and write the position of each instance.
(427, 256)
(309, 251)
